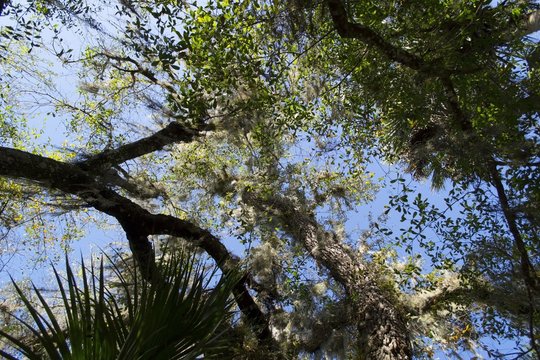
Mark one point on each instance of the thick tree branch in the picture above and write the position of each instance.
(527, 269)
(352, 30)
(137, 222)
(347, 29)
(452, 99)
(172, 133)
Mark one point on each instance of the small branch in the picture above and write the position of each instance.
(527, 269)
(454, 107)
(140, 69)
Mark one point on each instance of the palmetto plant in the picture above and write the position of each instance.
(181, 314)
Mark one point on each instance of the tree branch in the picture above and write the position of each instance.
(172, 133)
(527, 268)
(351, 30)
(137, 222)
(453, 103)
(140, 69)
(347, 29)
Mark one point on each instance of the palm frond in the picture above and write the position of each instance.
(178, 315)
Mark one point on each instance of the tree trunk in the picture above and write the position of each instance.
(382, 328)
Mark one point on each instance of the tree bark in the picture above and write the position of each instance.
(382, 327)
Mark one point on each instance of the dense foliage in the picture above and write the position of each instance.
(254, 128)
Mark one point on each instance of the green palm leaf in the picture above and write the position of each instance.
(178, 315)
